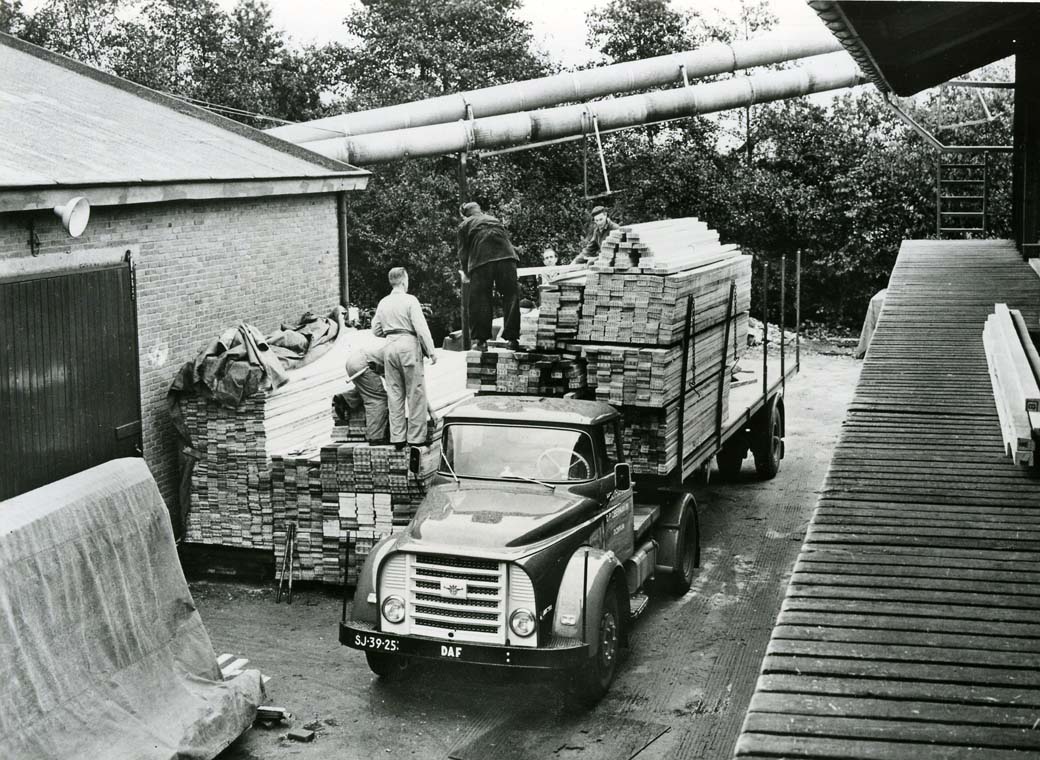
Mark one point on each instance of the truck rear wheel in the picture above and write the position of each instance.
(769, 441)
(389, 667)
(688, 552)
(591, 681)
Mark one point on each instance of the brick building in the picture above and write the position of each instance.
(196, 223)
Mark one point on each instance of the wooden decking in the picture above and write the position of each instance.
(911, 626)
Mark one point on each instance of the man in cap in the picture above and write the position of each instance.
(597, 232)
(487, 260)
(400, 320)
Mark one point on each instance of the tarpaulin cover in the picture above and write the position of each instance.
(102, 652)
(870, 322)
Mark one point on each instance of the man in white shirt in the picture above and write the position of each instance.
(400, 320)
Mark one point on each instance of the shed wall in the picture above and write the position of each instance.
(202, 267)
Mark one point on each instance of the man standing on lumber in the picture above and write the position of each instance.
(601, 226)
(400, 320)
(366, 367)
(488, 260)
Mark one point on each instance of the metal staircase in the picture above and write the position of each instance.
(961, 194)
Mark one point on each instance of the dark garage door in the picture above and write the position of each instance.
(69, 386)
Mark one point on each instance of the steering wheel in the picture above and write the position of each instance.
(561, 469)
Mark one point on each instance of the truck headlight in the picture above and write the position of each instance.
(522, 623)
(393, 609)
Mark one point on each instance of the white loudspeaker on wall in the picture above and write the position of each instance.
(74, 215)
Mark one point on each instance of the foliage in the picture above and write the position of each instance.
(840, 182)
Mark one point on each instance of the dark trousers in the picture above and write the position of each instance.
(502, 276)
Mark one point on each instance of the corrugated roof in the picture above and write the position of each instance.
(64, 123)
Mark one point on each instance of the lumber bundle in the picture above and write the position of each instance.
(663, 247)
(650, 436)
(230, 484)
(560, 312)
(296, 498)
(1014, 368)
(522, 372)
(649, 309)
(649, 376)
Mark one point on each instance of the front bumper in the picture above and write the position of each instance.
(561, 654)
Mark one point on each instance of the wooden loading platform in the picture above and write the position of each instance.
(911, 625)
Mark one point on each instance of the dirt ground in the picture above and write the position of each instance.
(682, 689)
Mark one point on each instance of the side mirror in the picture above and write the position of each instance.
(622, 476)
(414, 460)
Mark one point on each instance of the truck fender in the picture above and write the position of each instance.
(364, 610)
(568, 620)
(666, 532)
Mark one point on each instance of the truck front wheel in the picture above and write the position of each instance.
(389, 667)
(590, 682)
(687, 552)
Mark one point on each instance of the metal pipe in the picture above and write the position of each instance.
(716, 58)
(932, 140)
(829, 72)
(341, 239)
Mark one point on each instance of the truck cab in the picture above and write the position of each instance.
(528, 550)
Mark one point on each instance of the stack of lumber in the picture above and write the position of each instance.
(649, 376)
(522, 372)
(560, 312)
(296, 498)
(664, 247)
(650, 435)
(632, 306)
(230, 484)
(650, 309)
(1014, 368)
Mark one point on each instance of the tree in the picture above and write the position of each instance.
(413, 49)
(11, 17)
(87, 30)
(629, 30)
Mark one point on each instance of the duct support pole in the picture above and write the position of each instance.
(798, 310)
(464, 289)
(341, 240)
(765, 327)
(1026, 159)
(783, 321)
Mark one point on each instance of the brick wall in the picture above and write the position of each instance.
(203, 266)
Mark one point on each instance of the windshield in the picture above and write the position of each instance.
(518, 451)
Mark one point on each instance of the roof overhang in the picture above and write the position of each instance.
(906, 47)
(21, 198)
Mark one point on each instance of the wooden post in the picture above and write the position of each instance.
(1025, 199)
(765, 326)
(783, 321)
(798, 309)
(680, 467)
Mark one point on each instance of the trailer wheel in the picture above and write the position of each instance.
(687, 552)
(769, 443)
(591, 681)
(389, 667)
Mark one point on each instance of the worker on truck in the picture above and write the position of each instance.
(487, 260)
(400, 320)
(601, 226)
(366, 365)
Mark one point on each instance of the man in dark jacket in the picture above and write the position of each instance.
(597, 232)
(488, 260)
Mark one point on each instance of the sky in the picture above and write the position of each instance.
(558, 26)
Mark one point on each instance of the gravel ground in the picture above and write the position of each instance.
(682, 689)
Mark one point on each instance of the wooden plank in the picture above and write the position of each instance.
(771, 745)
(893, 625)
(856, 667)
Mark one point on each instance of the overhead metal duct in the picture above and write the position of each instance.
(716, 58)
(829, 72)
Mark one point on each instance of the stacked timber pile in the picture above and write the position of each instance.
(344, 495)
(230, 484)
(522, 372)
(1014, 368)
(560, 312)
(632, 312)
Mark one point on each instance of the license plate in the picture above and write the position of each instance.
(375, 643)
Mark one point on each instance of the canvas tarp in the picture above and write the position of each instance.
(102, 652)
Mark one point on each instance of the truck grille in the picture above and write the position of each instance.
(457, 598)
(462, 595)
